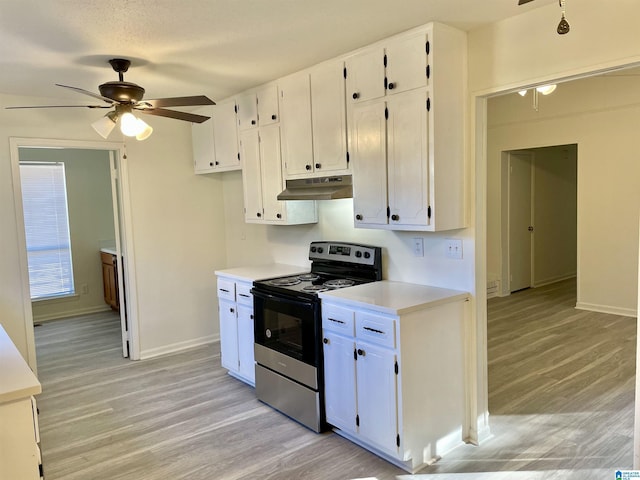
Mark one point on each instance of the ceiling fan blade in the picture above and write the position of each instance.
(86, 92)
(162, 112)
(60, 106)
(522, 2)
(180, 101)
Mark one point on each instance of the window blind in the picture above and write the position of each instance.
(46, 220)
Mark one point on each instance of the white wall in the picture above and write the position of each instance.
(178, 231)
(600, 115)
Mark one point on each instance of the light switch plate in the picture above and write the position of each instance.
(418, 247)
(454, 248)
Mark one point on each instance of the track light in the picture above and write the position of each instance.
(546, 89)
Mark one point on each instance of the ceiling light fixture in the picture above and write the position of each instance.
(130, 125)
(543, 89)
(546, 89)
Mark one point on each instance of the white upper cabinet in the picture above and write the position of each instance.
(409, 160)
(297, 137)
(329, 118)
(215, 141)
(365, 75)
(204, 153)
(407, 64)
(225, 135)
(258, 108)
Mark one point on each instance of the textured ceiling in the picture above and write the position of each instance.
(212, 47)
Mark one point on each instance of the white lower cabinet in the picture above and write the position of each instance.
(235, 308)
(394, 383)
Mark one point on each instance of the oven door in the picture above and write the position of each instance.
(288, 326)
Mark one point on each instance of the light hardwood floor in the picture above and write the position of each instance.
(561, 392)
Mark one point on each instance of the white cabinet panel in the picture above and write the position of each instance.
(368, 144)
(365, 75)
(228, 332)
(225, 135)
(270, 165)
(340, 375)
(297, 142)
(245, 342)
(251, 174)
(377, 396)
(407, 65)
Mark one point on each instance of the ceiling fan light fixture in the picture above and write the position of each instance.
(130, 125)
(105, 125)
(522, 93)
(546, 89)
(146, 132)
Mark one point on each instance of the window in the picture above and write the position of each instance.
(46, 221)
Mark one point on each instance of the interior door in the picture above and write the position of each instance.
(520, 220)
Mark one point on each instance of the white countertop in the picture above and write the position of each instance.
(261, 272)
(394, 298)
(17, 381)
(112, 251)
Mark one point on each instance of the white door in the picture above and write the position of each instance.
(228, 335)
(251, 177)
(295, 105)
(377, 396)
(365, 75)
(407, 159)
(406, 64)
(369, 147)
(271, 168)
(340, 381)
(329, 117)
(520, 220)
(225, 134)
(245, 342)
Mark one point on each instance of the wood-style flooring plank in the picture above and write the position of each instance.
(561, 396)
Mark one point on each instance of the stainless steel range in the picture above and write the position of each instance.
(288, 327)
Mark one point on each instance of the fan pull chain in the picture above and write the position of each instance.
(563, 26)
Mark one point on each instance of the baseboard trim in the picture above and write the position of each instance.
(70, 313)
(625, 312)
(178, 347)
(549, 281)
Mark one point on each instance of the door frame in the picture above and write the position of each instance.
(122, 224)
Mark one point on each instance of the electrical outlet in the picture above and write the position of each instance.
(454, 248)
(85, 289)
(418, 247)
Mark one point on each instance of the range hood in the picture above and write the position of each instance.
(318, 188)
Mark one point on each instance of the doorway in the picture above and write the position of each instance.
(539, 216)
(118, 240)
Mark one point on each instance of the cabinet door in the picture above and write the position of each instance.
(225, 134)
(247, 111)
(245, 342)
(271, 166)
(228, 335)
(268, 105)
(329, 118)
(365, 75)
(377, 396)
(407, 157)
(252, 183)
(204, 155)
(340, 381)
(407, 63)
(295, 105)
(368, 145)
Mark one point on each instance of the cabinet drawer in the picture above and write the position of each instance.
(243, 293)
(376, 329)
(338, 319)
(227, 289)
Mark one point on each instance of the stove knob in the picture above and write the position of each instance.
(358, 253)
(367, 255)
(320, 249)
(313, 249)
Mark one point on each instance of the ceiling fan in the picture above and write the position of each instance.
(125, 97)
(522, 2)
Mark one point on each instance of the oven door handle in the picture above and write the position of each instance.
(277, 298)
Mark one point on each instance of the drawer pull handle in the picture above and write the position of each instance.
(243, 295)
(337, 321)
(224, 290)
(374, 330)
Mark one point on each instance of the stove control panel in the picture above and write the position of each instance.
(345, 252)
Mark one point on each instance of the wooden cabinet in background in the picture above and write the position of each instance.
(110, 280)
